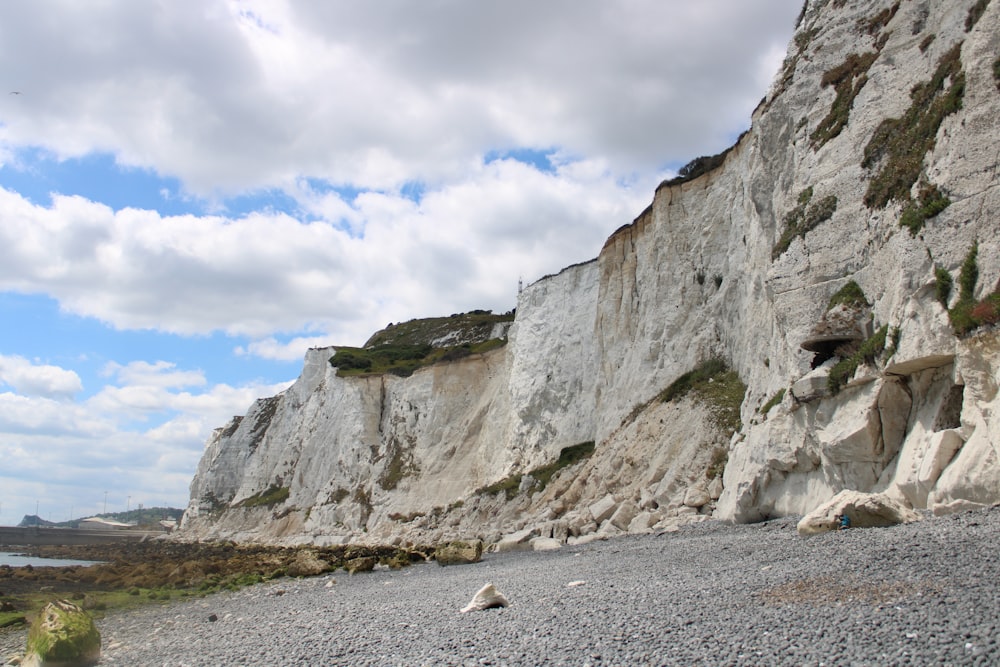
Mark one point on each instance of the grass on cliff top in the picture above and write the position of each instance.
(472, 327)
(715, 384)
(403, 360)
(400, 349)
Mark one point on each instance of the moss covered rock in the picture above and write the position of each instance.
(64, 635)
(459, 552)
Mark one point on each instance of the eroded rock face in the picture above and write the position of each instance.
(708, 270)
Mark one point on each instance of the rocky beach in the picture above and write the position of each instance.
(709, 593)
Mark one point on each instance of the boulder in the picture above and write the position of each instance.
(603, 508)
(545, 544)
(307, 564)
(458, 552)
(696, 496)
(487, 597)
(643, 522)
(814, 384)
(518, 541)
(623, 515)
(64, 635)
(715, 488)
(865, 510)
(360, 564)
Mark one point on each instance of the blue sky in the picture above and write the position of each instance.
(193, 193)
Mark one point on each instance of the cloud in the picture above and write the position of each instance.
(461, 246)
(233, 96)
(42, 380)
(292, 350)
(142, 440)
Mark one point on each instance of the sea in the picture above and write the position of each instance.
(19, 560)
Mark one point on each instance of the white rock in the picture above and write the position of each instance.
(604, 508)
(865, 510)
(623, 515)
(545, 544)
(696, 496)
(519, 541)
(715, 488)
(487, 597)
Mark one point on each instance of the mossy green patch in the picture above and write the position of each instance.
(847, 80)
(942, 285)
(401, 349)
(968, 314)
(472, 327)
(542, 475)
(897, 148)
(271, 496)
(850, 295)
(930, 202)
(868, 351)
(64, 633)
(713, 383)
(773, 401)
(806, 216)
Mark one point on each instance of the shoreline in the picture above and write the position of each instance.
(723, 594)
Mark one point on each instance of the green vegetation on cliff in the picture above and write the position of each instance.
(719, 387)
(400, 349)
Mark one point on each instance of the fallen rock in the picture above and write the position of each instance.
(623, 516)
(488, 597)
(603, 508)
(360, 564)
(545, 544)
(458, 553)
(307, 564)
(865, 510)
(63, 635)
(518, 541)
(642, 523)
(696, 496)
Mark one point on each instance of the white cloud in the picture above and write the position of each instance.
(157, 374)
(142, 440)
(462, 246)
(234, 95)
(33, 379)
(292, 350)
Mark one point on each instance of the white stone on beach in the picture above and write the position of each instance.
(488, 597)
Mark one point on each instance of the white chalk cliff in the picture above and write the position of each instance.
(883, 111)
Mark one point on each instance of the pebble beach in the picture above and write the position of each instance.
(712, 594)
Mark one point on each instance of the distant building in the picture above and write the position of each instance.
(97, 523)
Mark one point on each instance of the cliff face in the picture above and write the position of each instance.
(872, 161)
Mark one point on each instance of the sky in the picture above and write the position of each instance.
(194, 192)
